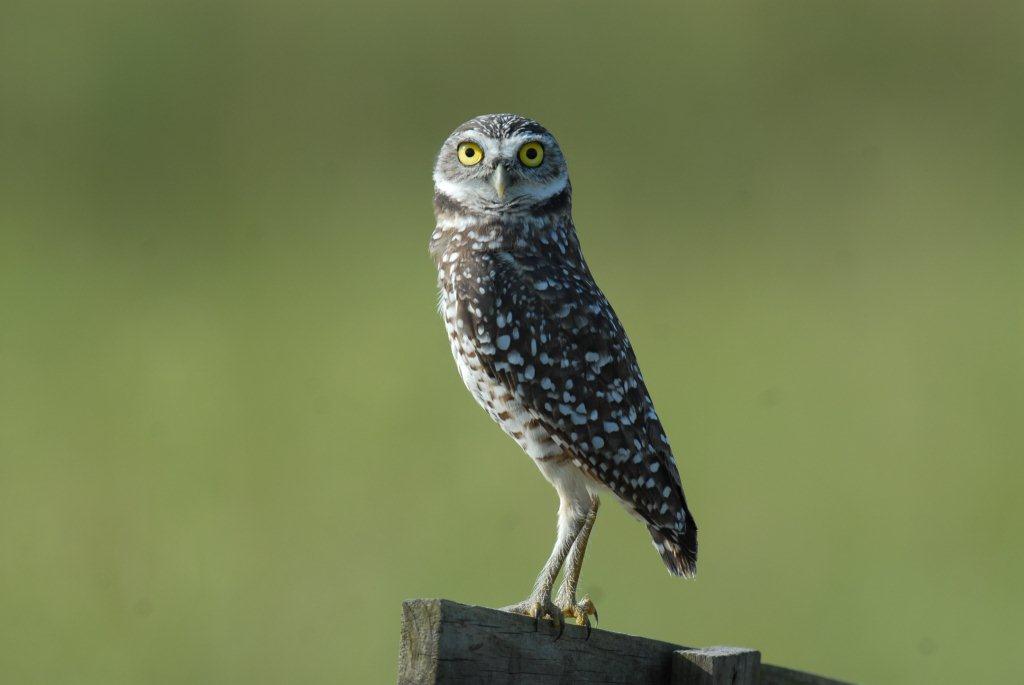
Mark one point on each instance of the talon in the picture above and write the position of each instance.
(580, 610)
(560, 622)
(538, 610)
(588, 607)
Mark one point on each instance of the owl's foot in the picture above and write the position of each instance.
(538, 608)
(580, 610)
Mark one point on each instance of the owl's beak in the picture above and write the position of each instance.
(499, 179)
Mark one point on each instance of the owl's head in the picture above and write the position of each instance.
(500, 163)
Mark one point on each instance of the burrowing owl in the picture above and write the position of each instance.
(541, 350)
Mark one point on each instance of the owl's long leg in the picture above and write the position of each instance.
(571, 519)
(566, 600)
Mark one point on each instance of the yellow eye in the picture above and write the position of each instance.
(531, 154)
(470, 153)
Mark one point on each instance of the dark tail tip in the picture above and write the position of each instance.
(678, 548)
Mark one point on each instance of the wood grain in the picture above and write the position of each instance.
(447, 642)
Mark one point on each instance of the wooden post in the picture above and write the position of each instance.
(716, 666)
(447, 642)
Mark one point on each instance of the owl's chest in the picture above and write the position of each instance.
(490, 393)
(494, 396)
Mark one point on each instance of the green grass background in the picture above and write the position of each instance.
(232, 439)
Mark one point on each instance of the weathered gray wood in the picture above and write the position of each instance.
(448, 642)
(716, 666)
(417, 655)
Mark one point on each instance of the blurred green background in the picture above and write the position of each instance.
(232, 438)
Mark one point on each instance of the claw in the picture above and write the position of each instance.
(588, 607)
(537, 610)
(557, 620)
(580, 610)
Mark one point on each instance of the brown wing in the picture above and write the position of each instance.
(548, 333)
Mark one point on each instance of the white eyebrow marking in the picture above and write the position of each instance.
(471, 190)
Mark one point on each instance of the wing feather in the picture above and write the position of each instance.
(546, 331)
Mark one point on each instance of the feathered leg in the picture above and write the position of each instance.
(571, 520)
(566, 600)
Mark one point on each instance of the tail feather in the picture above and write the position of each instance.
(678, 548)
